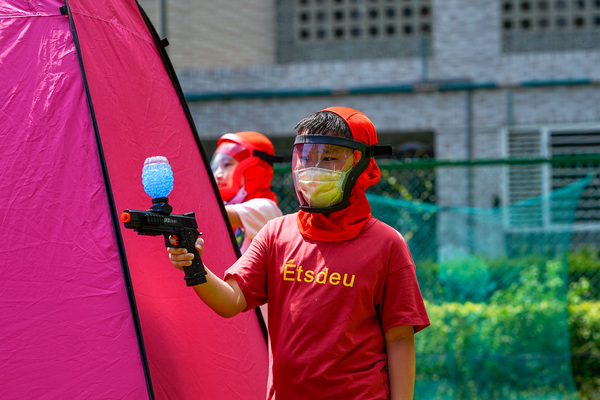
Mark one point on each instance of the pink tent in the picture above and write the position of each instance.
(88, 309)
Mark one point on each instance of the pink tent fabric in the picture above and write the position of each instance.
(67, 325)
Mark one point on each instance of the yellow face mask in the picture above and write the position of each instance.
(322, 187)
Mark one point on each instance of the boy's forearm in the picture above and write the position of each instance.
(401, 362)
(225, 298)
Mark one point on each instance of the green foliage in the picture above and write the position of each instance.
(478, 278)
(427, 274)
(584, 274)
(408, 183)
(582, 290)
(467, 279)
(585, 261)
(504, 272)
(584, 323)
(494, 351)
(537, 283)
(521, 342)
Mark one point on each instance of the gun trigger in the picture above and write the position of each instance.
(175, 239)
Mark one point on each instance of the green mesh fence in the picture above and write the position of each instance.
(496, 278)
(498, 303)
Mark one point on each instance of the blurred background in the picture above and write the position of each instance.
(493, 110)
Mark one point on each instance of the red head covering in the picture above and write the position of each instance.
(257, 173)
(346, 224)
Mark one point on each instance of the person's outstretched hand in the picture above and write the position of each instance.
(180, 257)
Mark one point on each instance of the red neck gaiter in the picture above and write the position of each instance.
(346, 224)
(258, 182)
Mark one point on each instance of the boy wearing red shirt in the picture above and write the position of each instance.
(344, 302)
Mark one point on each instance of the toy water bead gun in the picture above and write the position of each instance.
(157, 178)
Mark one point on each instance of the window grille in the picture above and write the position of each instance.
(529, 181)
(547, 25)
(352, 29)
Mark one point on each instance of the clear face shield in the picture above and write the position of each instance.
(325, 169)
(223, 165)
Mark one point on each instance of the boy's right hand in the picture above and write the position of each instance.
(180, 257)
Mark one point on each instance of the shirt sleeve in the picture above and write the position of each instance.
(402, 300)
(255, 213)
(250, 272)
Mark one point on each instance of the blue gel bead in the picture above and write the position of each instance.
(157, 177)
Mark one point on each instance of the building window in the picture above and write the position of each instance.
(528, 183)
(352, 29)
(549, 25)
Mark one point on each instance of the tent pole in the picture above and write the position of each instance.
(161, 9)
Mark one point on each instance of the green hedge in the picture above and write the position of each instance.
(584, 326)
(517, 351)
(509, 328)
(451, 280)
(584, 272)
(495, 351)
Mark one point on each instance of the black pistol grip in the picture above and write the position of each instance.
(195, 274)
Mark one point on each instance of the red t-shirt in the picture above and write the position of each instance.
(329, 305)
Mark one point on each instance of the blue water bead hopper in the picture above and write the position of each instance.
(157, 178)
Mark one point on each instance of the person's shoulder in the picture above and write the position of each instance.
(277, 226)
(260, 203)
(383, 230)
(284, 220)
(385, 238)
(257, 203)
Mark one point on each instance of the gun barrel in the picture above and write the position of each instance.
(134, 219)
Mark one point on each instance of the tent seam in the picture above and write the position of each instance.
(112, 24)
(30, 16)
